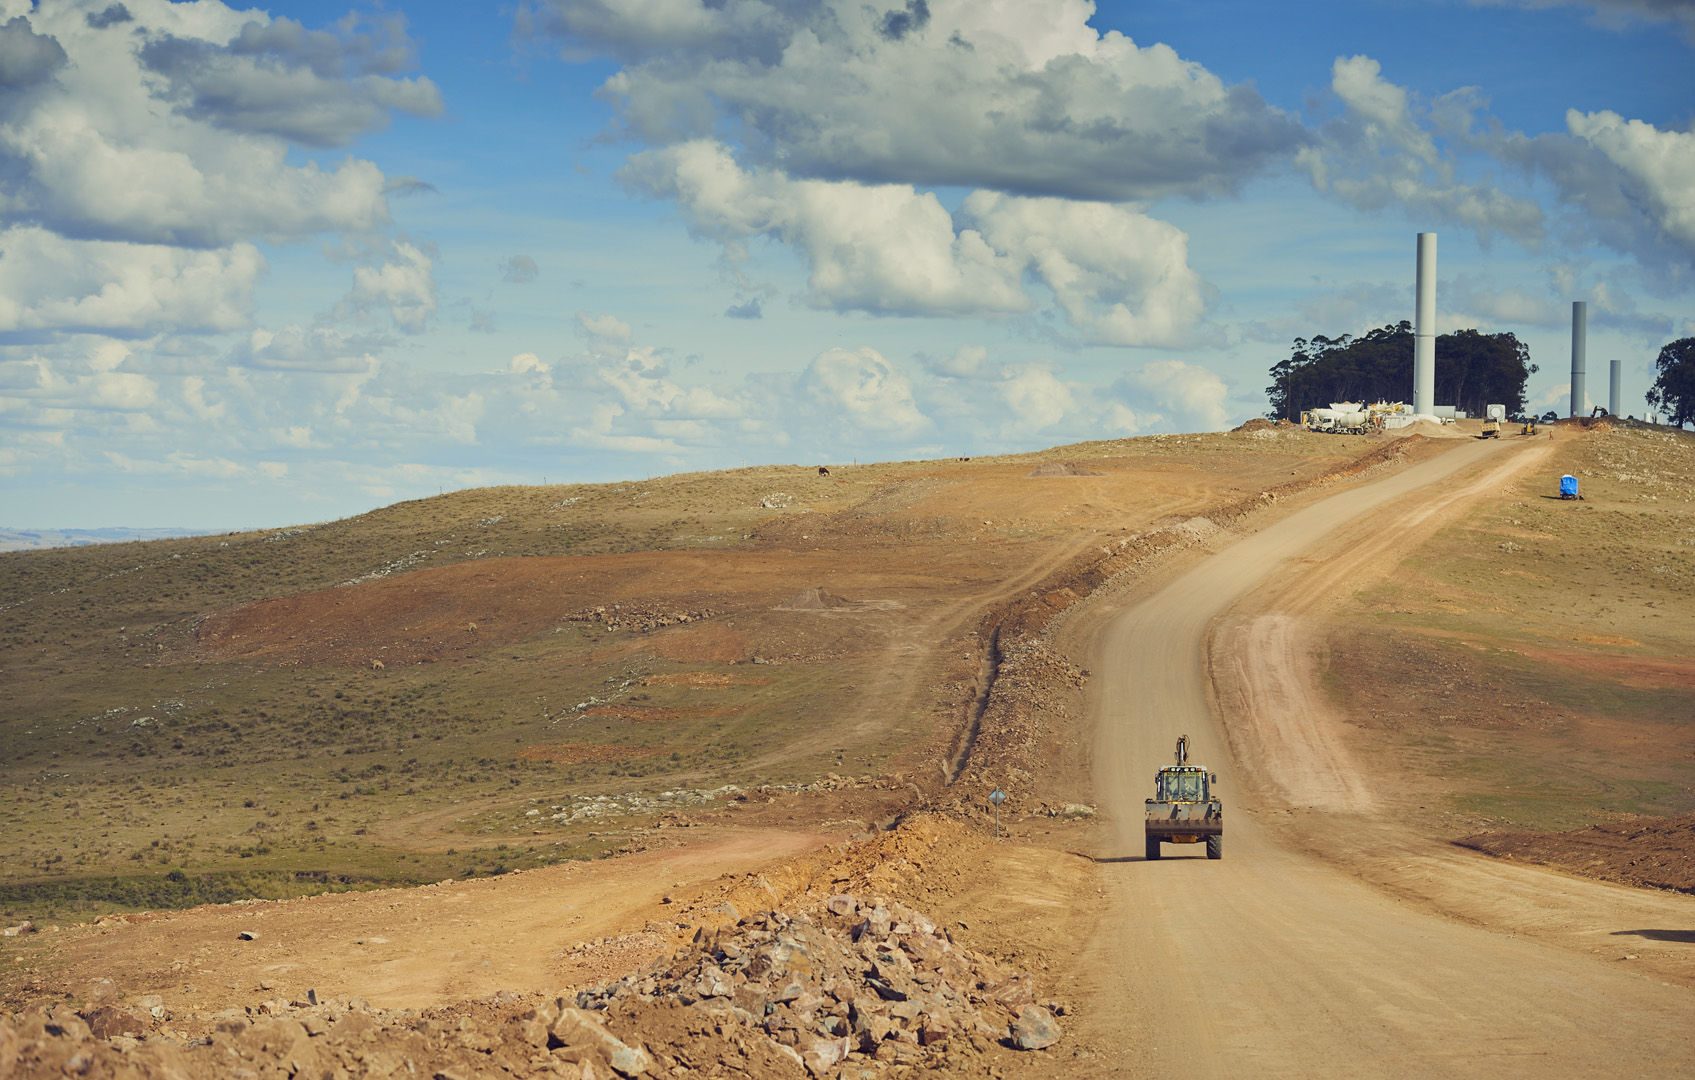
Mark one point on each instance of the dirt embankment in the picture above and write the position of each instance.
(861, 985)
(820, 977)
(1655, 853)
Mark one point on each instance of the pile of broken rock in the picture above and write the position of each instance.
(863, 989)
(501, 1036)
(640, 618)
(866, 985)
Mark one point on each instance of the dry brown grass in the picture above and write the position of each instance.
(1536, 661)
(209, 705)
(581, 753)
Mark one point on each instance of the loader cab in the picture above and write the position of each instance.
(1183, 783)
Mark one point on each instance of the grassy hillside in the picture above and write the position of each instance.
(1537, 660)
(505, 677)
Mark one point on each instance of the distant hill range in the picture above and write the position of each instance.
(33, 539)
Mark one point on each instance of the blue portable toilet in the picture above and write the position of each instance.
(1568, 486)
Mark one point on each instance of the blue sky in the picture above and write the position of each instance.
(281, 264)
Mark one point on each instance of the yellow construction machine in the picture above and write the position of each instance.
(1184, 810)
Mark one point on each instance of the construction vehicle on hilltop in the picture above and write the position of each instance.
(1183, 809)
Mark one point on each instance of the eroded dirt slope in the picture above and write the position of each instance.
(1655, 853)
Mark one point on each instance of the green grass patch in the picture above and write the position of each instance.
(89, 896)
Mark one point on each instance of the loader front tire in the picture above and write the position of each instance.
(1215, 846)
(1153, 849)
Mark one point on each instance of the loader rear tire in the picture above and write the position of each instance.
(1215, 847)
(1153, 849)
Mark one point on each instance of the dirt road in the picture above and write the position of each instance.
(1277, 962)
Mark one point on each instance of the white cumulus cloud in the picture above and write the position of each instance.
(321, 349)
(277, 77)
(147, 147)
(1190, 397)
(965, 362)
(528, 364)
(1379, 154)
(91, 154)
(608, 327)
(1657, 167)
(404, 285)
(1119, 276)
(880, 247)
(27, 58)
(601, 433)
(862, 387)
(1022, 96)
(49, 283)
(644, 386)
(1037, 398)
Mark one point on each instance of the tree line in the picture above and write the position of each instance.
(1673, 392)
(1472, 370)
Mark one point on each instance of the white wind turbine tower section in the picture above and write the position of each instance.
(1579, 356)
(1424, 329)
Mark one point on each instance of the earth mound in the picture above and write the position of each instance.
(1258, 423)
(816, 598)
(867, 983)
(1063, 468)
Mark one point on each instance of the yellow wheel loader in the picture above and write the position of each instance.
(1184, 809)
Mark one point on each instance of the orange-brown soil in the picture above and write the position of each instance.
(1657, 853)
(457, 611)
